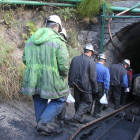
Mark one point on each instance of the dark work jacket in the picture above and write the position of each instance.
(82, 72)
(117, 72)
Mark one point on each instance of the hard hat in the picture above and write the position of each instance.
(101, 56)
(127, 62)
(63, 32)
(54, 19)
(89, 47)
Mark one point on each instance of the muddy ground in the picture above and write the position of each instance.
(17, 121)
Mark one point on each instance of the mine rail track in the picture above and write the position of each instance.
(89, 127)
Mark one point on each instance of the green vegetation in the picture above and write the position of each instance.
(73, 46)
(4, 51)
(1, 79)
(25, 36)
(72, 38)
(66, 13)
(31, 27)
(11, 72)
(91, 8)
(72, 52)
(9, 17)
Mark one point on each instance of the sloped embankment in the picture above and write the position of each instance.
(17, 23)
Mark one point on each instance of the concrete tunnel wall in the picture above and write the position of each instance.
(126, 36)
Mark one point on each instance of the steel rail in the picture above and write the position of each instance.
(137, 134)
(112, 125)
(97, 124)
(94, 121)
(108, 129)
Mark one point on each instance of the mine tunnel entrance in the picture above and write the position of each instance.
(128, 40)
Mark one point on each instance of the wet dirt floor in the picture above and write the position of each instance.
(17, 122)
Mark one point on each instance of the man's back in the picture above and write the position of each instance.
(103, 75)
(46, 58)
(117, 71)
(83, 73)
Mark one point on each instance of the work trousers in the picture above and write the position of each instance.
(82, 103)
(115, 95)
(97, 97)
(61, 115)
(47, 112)
(123, 96)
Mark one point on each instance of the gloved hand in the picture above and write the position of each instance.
(126, 90)
(106, 92)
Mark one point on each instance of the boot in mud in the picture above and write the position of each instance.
(58, 128)
(43, 127)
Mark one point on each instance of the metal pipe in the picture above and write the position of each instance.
(37, 3)
(121, 16)
(71, 0)
(119, 9)
(136, 10)
(113, 8)
(103, 28)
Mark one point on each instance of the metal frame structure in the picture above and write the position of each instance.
(117, 16)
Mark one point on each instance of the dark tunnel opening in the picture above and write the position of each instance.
(129, 44)
(128, 41)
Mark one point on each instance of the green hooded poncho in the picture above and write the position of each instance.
(46, 58)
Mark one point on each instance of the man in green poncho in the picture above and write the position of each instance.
(46, 58)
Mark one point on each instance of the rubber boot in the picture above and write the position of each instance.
(58, 128)
(47, 128)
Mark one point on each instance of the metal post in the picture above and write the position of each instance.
(103, 28)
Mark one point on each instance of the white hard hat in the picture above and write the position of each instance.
(63, 32)
(54, 19)
(127, 62)
(101, 56)
(89, 47)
